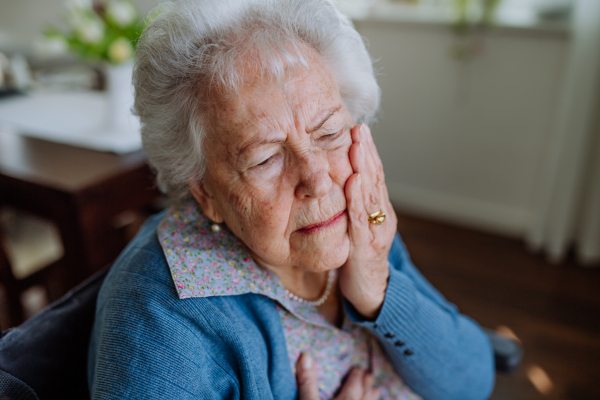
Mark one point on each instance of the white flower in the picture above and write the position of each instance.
(120, 50)
(90, 31)
(79, 4)
(121, 12)
(52, 46)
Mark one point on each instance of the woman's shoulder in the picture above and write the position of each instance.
(140, 282)
(140, 320)
(142, 265)
(141, 277)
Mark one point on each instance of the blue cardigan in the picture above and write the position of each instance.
(148, 344)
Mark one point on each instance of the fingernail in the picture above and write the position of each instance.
(358, 178)
(307, 362)
(362, 149)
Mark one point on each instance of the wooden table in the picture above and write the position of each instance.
(82, 192)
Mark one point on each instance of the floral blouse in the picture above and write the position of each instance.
(204, 263)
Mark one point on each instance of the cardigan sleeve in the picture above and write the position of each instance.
(440, 353)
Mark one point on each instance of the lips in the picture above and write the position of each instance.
(323, 224)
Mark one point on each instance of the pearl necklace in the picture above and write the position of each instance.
(316, 303)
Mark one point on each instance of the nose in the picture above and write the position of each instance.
(313, 173)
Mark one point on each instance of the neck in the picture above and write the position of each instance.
(310, 286)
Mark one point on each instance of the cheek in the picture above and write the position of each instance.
(339, 162)
(259, 212)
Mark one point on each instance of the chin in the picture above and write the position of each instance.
(326, 254)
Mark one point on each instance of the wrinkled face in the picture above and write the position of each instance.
(277, 162)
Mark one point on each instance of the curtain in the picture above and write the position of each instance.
(568, 199)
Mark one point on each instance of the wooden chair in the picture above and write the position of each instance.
(51, 277)
(12, 288)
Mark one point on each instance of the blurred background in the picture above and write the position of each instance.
(489, 133)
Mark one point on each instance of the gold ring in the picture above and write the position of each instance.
(377, 218)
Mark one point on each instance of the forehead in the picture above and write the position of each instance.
(260, 105)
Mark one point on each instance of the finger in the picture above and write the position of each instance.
(355, 156)
(368, 383)
(357, 217)
(371, 183)
(391, 217)
(374, 394)
(370, 192)
(306, 375)
(359, 160)
(366, 139)
(383, 235)
(366, 136)
(355, 133)
(380, 234)
(373, 160)
(353, 388)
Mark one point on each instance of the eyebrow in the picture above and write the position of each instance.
(259, 142)
(320, 124)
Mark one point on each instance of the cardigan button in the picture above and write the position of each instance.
(389, 335)
(408, 352)
(375, 326)
(399, 343)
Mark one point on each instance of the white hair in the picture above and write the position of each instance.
(192, 47)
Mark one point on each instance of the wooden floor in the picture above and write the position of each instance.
(553, 309)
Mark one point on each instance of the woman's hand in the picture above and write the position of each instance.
(358, 385)
(363, 278)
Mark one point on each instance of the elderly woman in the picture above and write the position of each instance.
(277, 272)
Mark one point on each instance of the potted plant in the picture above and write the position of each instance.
(472, 19)
(105, 32)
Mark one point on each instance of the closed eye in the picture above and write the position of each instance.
(264, 162)
(330, 136)
(268, 161)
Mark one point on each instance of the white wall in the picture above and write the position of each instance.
(465, 141)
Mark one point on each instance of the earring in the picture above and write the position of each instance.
(216, 228)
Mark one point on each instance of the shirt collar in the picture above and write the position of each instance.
(204, 263)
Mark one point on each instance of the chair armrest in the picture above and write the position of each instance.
(507, 352)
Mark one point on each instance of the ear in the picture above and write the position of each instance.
(206, 201)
